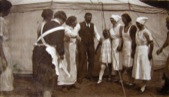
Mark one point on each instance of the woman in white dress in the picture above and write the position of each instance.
(70, 53)
(143, 55)
(115, 34)
(6, 75)
(128, 45)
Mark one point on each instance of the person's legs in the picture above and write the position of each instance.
(90, 54)
(110, 72)
(129, 75)
(103, 66)
(82, 65)
(142, 89)
(165, 87)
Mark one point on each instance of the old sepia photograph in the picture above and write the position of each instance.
(84, 48)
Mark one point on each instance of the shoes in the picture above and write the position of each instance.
(99, 81)
(109, 79)
(76, 86)
(143, 88)
(131, 84)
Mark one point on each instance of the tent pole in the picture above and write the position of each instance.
(121, 81)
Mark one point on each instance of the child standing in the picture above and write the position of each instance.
(105, 57)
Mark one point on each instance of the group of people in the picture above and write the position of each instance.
(64, 51)
(134, 43)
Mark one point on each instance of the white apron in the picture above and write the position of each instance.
(116, 40)
(70, 59)
(126, 52)
(142, 66)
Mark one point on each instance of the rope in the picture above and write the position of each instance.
(104, 20)
(51, 4)
(121, 81)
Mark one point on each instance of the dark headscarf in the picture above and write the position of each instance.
(5, 6)
(47, 13)
(127, 17)
(70, 20)
(61, 15)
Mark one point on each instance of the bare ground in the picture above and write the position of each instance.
(25, 86)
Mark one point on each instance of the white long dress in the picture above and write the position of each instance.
(6, 77)
(70, 58)
(126, 52)
(116, 39)
(142, 66)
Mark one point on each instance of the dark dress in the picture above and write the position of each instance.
(46, 75)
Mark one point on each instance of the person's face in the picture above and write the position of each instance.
(74, 23)
(140, 26)
(88, 18)
(113, 21)
(124, 20)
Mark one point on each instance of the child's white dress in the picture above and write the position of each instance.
(106, 51)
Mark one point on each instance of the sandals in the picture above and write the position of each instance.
(99, 81)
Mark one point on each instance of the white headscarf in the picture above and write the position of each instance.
(142, 20)
(117, 18)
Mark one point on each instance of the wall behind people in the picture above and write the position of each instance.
(23, 32)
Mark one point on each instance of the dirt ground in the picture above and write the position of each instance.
(25, 86)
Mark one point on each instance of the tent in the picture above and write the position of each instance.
(26, 15)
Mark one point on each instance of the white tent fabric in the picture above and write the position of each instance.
(134, 5)
(134, 2)
(26, 16)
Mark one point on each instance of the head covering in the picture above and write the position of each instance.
(47, 13)
(116, 17)
(61, 15)
(127, 17)
(142, 20)
(5, 5)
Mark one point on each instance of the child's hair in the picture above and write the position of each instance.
(106, 33)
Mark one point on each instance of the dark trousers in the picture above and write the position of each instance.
(85, 56)
(165, 87)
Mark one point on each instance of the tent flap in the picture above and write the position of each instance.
(86, 6)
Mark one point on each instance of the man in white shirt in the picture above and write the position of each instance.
(87, 32)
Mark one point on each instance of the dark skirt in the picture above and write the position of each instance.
(43, 69)
(166, 71)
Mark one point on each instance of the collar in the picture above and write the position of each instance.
(56, 20)
(87, 24)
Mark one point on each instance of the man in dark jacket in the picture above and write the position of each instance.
(87, 31)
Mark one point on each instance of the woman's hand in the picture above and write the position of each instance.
(119, 48)
(159, 51)
(78, 38)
